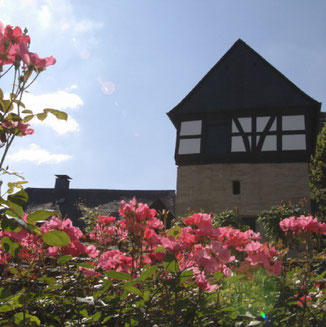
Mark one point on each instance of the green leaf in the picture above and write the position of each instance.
(13, 271)
(106, 286)
(233, 315)
(10, 225)
(321, 276)
(57, 113)
(41, 116)
(2, 105)
(20, 319)
(26, 119)
(175, 231)
(14, 185)
(218, 275)
(170, 263)
(56, 238)
(9, 246)
(61, 115)
(150, 270)
(1, 94)
(117, 275)
(47, 110)
(19, 103)
(124, 295)
(20, 198)
(12, 303)
(186, 275)
(147, 295)
(132, 289)
(4, 293)
(40, 215)
(226, 309)
(96, 316)
(13, 116)
(233, 278)
(21, 222)
(47, 280)
(15, 210)
(86, 265)
(34, 228)
(64, 259)
(7, 105)
(6, 308)
(160, 249)
(27, 111)
(84, 313)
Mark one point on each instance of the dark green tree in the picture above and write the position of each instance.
(317, 176)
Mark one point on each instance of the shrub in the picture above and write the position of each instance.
(270, 219)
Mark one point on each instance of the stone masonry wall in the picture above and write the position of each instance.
(209, 187)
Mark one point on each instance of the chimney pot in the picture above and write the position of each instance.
(62, 182)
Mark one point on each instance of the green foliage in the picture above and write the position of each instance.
(40, 215)
(56, 238)
(317, 174)
(229, 218)
(270, 219)
(89, 216)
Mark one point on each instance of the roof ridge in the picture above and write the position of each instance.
(238, 43)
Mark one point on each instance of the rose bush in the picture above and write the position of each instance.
(131, 271)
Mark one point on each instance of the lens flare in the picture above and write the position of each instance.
(262, 313)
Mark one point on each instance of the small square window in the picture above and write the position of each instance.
(236, 187)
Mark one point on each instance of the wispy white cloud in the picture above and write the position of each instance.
(61, 100)
(48, 14)
(45, 16)
(71, 87)
(36, 154)
(61, 127)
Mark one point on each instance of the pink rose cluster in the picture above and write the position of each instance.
(14, 46)
(303, 224)
(22, 128)
(75, 248)
(104, 230)
(138, 239)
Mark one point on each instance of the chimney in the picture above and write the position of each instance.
(62, 182)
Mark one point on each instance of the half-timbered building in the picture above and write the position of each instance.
(245, 135)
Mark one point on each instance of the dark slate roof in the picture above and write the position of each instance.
(241, 79)
(68, 201)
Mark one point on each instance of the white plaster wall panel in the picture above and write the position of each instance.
(234, 127)
(245, 124)
(294, 142)
(237, 144)
(262, 122)
(192, 127)
(188, 146)
(270, 143)
(293, 123)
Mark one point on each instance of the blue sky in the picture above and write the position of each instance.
(122, 64)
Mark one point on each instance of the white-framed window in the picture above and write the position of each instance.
(261, 133)
(190, 137)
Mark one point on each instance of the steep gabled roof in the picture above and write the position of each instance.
(241, 79)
